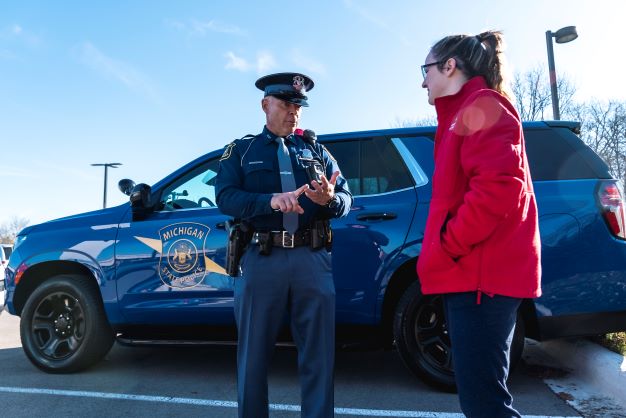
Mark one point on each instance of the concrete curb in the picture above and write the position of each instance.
(596, 377)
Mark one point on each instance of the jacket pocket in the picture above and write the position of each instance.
(433, 258)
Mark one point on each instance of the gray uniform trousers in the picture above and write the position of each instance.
(298, 281)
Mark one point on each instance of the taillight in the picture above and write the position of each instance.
(19, 273)
(612, 205)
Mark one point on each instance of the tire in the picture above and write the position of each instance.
(63, 327)
(422, 340)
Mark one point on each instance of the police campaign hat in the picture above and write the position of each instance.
(290, 87)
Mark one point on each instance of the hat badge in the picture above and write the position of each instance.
(298, 83)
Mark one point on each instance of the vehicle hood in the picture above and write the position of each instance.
(96, 219)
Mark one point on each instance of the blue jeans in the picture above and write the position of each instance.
(481, 336)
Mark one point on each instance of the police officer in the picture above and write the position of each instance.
(269, 181)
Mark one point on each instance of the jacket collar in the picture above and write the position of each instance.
(448, 106)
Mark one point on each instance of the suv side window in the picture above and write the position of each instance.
(421, 147)
(371, 166)
(196, 189)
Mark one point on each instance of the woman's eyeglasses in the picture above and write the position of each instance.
(425, 67)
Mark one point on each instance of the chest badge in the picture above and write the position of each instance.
(306, 154)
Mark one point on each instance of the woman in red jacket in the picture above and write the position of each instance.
(481, 246)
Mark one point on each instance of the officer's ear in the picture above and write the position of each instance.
(265, 103)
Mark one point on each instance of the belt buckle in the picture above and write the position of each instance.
(287, 240)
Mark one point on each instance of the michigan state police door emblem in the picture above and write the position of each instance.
(182, 262)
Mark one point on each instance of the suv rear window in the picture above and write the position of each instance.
(558, 154)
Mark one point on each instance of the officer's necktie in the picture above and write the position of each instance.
(287, 183)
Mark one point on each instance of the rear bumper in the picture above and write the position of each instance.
(581, 325)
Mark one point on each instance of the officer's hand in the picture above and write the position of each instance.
(288, 202)
(322, 193)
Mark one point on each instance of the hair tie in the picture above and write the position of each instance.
(480, 41)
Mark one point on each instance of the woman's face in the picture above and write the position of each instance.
(435, 80)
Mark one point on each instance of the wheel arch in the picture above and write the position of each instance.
(37, 274)
(399, 282)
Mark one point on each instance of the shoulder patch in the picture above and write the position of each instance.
(228, 151)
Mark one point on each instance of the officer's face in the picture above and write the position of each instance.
(281, 117)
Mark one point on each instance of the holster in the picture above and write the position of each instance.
(265, 243)
(239, 236)
(321, 235)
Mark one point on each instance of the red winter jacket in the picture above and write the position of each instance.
(482, 230)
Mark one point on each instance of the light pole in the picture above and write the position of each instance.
(563, 35)
(106, 166)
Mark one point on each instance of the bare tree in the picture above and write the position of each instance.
(604, 130)
(409, 123)
(10, 229)
(566, 90)
(533, 98)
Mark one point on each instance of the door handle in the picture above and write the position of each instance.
(221, 225)
(377, 216)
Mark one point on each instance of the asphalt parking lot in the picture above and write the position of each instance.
(200, 381)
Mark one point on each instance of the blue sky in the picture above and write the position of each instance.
(154, 84)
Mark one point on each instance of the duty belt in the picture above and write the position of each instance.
(283, 239)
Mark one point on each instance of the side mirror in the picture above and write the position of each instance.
(141, 201)
(126, 186)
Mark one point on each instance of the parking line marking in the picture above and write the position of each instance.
(233, 404)
(120, 396)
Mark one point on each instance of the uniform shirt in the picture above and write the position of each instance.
(248, 176)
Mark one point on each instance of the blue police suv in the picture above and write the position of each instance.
(152, 270)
